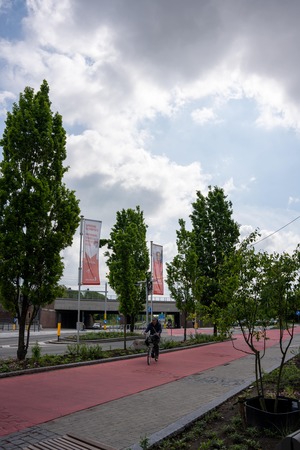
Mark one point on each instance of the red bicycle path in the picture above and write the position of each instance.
(32, 399)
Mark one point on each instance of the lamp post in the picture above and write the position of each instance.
(105, 306)
(79, 279)
(146, 289)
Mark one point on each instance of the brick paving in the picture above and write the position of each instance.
(157, 410)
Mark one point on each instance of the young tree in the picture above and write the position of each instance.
(261, 287)
(216, 235)
(128, 262)
(38, 214)
(182, 273)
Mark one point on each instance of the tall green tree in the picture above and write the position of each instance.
(216, 235)
(128, 262)
(38, 214)
(182, 273)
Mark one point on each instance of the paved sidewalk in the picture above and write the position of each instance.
(158, 411)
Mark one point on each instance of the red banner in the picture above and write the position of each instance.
(90, 261)
(157, 269)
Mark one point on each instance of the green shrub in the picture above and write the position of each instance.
(164, 344)
(96, 335)
(85, 351)
(36, 352)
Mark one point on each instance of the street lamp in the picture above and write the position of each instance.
(146, 288)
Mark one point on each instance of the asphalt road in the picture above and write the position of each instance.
(50, 344)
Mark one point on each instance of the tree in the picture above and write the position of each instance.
(216, 235)
(182, 273)
(38, 214)
(128, 262)
(261, 287)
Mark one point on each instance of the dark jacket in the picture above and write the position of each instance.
(154, 328)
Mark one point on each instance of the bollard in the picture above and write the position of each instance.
(58, 330)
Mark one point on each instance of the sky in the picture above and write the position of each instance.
(164, 98)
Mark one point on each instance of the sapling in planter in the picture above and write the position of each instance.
(259, 287)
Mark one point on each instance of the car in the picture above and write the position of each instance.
(96, 325)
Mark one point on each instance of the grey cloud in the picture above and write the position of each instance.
(103, 202)
(175, 40)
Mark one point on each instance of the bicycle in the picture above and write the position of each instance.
(151, 348)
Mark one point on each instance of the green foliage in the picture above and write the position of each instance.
(4, 368)
(182, 273)
(258, 287)
(144, 443)
(105, 335)
(128, 261)
(236, 437)
(290, 374)
(240, 447)
(215, 236)
(85, 352)
(193, 340)
(36, 351)
(166, 344)
(38, 214)
(75, 353)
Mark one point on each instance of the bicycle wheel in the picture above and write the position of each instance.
(149, 354)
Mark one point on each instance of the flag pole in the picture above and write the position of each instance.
(151, 282)
(79, 277)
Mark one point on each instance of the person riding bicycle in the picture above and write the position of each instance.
(155, 329)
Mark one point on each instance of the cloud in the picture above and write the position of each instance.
(204, 115)
(116, 72)
(293, 200)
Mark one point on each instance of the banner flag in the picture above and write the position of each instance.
(157, 265)
(90, 261)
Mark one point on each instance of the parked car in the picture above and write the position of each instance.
(96, 325)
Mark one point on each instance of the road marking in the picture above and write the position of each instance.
(30, 345)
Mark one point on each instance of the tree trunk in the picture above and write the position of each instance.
(132, 322)
(215, 330)
(185, 324)
(22, 316)
(125, 328)
(22, 348)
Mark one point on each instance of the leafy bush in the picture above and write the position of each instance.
(164, 344)
(36, 351)
(85, 352)
(95, 335)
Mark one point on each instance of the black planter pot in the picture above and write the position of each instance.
(286, 418)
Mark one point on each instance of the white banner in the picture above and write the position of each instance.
(90, 261)
(157, 269)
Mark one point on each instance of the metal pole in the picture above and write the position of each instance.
(147, 307)
(151, 282)
(79, 277)
(105, 300)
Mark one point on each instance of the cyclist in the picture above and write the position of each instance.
(155, 329)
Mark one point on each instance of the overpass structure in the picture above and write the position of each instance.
(67, 309)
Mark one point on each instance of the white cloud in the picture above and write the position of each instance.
(293, 200)
(204, 115)
(115, 71)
